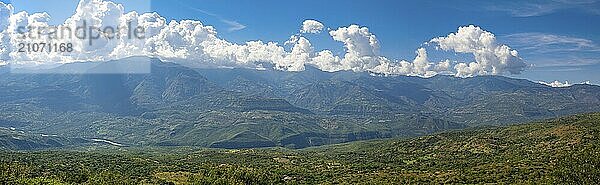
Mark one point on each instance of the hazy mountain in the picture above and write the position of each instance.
(232, 108)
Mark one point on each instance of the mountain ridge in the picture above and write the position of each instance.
(176, 105)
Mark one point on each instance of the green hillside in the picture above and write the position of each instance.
(13, 139)
(563, 150)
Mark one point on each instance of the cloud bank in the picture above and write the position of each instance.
(559, 84)
(190, 42)
(556, 84)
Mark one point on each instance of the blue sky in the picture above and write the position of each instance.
(561, 39)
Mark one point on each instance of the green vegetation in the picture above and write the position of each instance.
(563, 150)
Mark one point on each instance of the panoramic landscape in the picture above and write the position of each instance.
(194, 92)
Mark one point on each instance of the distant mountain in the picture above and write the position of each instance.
(474, 101)
(236, 108)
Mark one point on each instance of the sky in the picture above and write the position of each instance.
(557, 39)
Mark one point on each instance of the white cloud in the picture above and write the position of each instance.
(550, 50)
(301, 53)
(5, 12)
(540, 8)
(233, 25)
(192, 43)
(490, 56)
(556, 84)
(327, 61)
(420, 66)
(362, 54)
(543, 43)
(188, 42)
(312, 26)
(362, 47)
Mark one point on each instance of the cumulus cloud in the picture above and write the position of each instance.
(362, 54)
(362, 47)
(312, 26)
(420, 66)
(192, 43)
(490, 56)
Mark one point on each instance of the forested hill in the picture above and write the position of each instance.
(562, 150)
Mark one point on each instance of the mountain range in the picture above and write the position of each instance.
(175, 105)
(552, 151)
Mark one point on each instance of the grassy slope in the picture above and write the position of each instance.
(560, 150)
